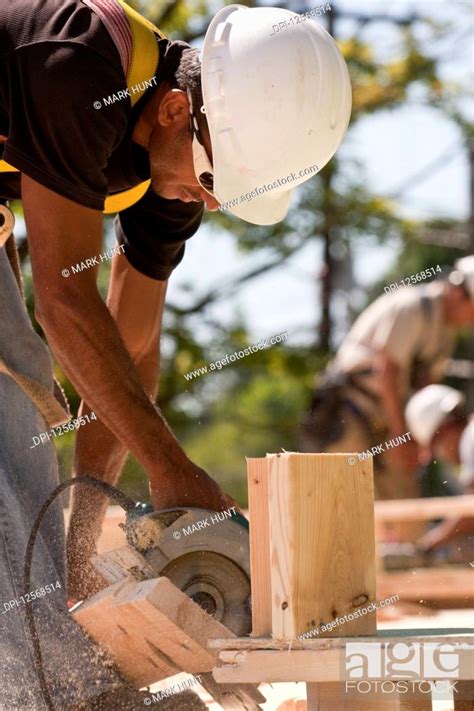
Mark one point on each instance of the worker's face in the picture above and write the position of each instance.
(459, 307)
(171, 157)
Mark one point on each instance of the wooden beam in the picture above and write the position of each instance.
(260, 569)
(424, 509)
(453, 583)
(152, 630)
(311, 665)
(100, 616)
(390, 636)
(322, 542)
(322, 549)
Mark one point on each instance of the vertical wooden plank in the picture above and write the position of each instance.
(257, 476)
(321, 516)
(321, 512)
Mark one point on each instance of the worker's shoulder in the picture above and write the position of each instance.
(417, 298)
(34, 24)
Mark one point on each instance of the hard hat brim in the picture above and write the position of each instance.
(264, 209)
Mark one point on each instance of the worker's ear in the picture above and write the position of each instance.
(174, 109)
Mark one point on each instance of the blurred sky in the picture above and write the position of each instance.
(392, 146)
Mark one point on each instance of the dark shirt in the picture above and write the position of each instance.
(56, 60)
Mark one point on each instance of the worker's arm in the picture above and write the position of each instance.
(446, 532)
(136, 304)
(389, 391)
(86, 341)
(389, 378)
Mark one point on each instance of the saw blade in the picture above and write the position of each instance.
(215, 583)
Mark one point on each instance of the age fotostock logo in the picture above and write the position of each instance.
(401, 668)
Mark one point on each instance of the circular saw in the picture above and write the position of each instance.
(204, 553)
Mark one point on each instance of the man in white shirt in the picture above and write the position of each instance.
(399, 344)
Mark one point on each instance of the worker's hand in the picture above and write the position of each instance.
(431, 541)
(188, 486)
(405, 456)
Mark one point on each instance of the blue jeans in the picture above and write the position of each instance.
(75, 668)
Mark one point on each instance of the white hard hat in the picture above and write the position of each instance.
(427, 409)
(277, 105)
(463, 273)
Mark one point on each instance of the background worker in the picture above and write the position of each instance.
(185, 143)
(400, 343)
(437, 419)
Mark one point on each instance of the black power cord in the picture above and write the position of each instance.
(125, 502)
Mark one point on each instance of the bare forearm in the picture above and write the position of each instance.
(453, 528)
(99, 453)
(98, 450)
(94, 358)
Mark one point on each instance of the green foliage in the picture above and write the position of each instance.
(258, 414)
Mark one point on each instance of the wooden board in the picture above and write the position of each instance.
(390, 636)
(322, 550)
(312, 665)
(322, 542)
(152, 630)
(260, 570)
(453, 583)
(424, 509)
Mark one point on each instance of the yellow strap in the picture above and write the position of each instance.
(143, 65)
(44, 400)
(7, 168)
(127, 198)
(144, 49)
